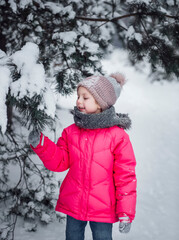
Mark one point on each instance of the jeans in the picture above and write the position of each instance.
(75, 229)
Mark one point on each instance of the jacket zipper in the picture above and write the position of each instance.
(90, 176)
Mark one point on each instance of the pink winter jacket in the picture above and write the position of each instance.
(101, 182)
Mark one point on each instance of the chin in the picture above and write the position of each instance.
(82, 110)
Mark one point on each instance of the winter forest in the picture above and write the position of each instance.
(46, 48)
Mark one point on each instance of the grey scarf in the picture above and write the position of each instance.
(107, 118)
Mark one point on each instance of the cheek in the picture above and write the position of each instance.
(92, 105)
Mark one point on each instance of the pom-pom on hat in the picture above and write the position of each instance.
(105, 89)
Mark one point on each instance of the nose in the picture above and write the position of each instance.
(79, 101)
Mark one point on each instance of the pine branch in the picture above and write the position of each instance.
(121, 17)
(14, 223)
(160, 50)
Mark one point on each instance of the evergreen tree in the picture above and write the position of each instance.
(48, 46)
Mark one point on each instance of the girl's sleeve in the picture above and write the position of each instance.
(55, 157)
(125, 178)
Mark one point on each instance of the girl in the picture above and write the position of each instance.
(100, 186)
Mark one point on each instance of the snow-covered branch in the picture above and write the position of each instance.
(123, 16)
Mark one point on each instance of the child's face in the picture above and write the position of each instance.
(86, 102)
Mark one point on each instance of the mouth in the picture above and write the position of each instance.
(81, 109)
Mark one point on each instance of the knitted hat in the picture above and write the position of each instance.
(105, 89)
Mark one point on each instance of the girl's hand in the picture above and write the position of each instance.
(124, 227)
(34, 138)
(125, 224)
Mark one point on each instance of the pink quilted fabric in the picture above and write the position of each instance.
(101, 182)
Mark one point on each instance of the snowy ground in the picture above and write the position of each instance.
(154, 110)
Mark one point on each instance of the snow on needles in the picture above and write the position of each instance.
(58, 8)
(67, 36)
(32, 81)
(87, 45)
(131, 34)
(22, 4)
(5, 81)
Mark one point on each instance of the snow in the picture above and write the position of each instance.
(48, 103)
(5, 81)
(106, 34)
(13, 5)
(30, 83)
(171, 2)
(27, 56)
(154, 110)
(87, 45)
(38, 29)
(68, 36)
(84, 28)
(33, 80)
(132, 34)
(45, 218)
(54, 7)
(69, 50)
(23, 4)
(69, 10)
(30, 17)
(57, 8)
(30, 226)
(3, 57)
(39, 196)
(97, 10)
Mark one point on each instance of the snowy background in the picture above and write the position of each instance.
(154, 110)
